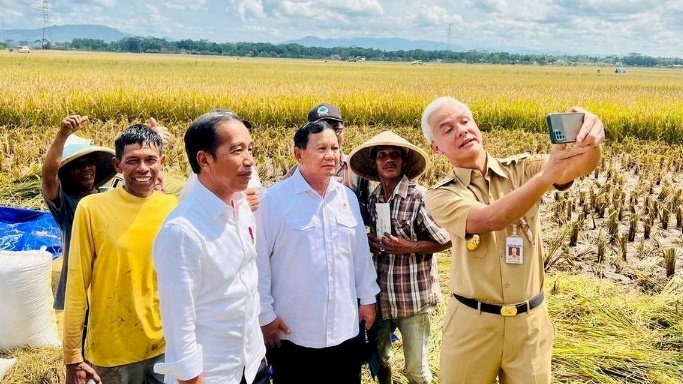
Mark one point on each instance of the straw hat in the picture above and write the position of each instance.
(76, 147)
(414, 163)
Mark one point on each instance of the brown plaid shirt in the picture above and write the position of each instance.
(408, 283)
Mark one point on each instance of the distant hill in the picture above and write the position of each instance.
(61, 33)
(384, 44)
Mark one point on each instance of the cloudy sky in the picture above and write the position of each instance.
(652, 27)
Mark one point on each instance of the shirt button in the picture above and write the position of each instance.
(507, 285)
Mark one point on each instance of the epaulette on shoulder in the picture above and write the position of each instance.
(515, 158)
(443, 182)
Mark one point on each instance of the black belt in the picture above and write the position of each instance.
(503, 310)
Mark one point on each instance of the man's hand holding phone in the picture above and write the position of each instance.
(592, 132)
(564, 127)
(576, 126)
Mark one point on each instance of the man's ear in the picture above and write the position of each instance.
(116, 162)
(435, 148)
(162, 160)
(298, 154)
(202, 159)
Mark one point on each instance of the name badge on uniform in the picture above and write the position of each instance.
(514, 248)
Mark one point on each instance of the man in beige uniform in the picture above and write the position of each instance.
(496, 323)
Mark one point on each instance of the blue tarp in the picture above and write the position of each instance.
(26, 229)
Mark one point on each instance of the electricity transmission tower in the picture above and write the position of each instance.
(450, 25)
(46, 23)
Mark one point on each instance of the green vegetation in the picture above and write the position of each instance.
(296, 51)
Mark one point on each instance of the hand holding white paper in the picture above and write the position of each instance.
(383, 224)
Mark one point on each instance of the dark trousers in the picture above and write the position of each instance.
(294, 364)
(261, 375)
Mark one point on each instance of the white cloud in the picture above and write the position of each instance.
(106, 3)
(186, 5)
(306, 9)
(490, 5)
(246, 9)
(435, 16)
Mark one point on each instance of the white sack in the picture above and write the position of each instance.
(5, 365)
(26, 315)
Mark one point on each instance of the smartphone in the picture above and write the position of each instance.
(564, 127)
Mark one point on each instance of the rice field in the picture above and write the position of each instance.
(614, 242)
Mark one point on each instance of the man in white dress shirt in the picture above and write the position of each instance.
(206, 263)
(314, 268)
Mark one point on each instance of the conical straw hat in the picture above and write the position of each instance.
(414, 164)
(76, 147)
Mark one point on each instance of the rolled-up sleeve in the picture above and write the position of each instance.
(176, 259)
(428, 226)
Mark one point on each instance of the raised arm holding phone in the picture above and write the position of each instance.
(489, 207)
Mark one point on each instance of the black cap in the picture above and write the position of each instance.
(324, 111)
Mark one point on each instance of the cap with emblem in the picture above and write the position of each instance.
(324, 111)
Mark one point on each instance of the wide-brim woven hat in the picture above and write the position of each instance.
(414, 163)
(76, 147)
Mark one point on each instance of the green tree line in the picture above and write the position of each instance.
(248, 49)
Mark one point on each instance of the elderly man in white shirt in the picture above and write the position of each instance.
(206, 263)
(314, 268)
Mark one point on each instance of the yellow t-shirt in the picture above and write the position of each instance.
(110, 266)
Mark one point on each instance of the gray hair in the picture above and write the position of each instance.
(435, 106)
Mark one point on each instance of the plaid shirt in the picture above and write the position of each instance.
(408, 283)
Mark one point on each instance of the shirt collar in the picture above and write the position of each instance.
(301, 185)
(216, 207)
(401, 189)
(464, 175)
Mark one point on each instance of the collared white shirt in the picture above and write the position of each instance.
(205, 261)
(314, 261)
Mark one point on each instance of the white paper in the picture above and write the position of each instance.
(383, 224)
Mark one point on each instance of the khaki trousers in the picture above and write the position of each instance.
(478, 346)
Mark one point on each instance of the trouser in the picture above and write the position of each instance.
(261, 375)
(141, 372)
(294, 364)
(415, 337)
(478, 346)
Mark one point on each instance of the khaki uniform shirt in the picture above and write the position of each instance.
(483, 274)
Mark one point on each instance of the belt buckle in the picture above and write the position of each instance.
(508, 310)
